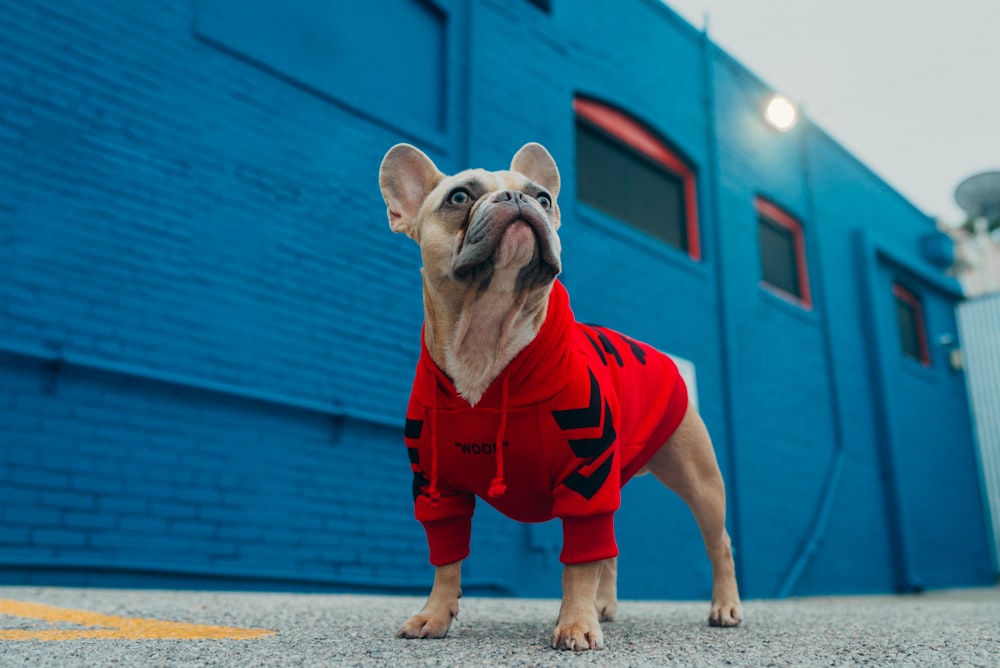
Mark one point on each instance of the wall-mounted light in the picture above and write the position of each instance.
(780, 113)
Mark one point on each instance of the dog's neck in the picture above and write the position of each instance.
(475, 337)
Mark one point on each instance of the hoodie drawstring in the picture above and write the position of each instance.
(497, 486)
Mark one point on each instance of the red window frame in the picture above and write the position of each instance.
(904, 295)
(779, 216)
(633, 134)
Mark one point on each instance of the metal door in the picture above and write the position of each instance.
(932, 483)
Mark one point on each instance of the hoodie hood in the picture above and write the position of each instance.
(543, 358)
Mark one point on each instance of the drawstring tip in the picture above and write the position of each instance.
(435, 496)
(497, 488)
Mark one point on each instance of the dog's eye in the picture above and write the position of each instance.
(459, 196)
(545, 200)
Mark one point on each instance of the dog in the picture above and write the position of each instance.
(516, 403)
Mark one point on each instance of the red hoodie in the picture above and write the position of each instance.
(579, 411)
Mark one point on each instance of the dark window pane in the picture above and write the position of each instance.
(778, 257)
(910, 325)
(907, 329)
(629, 186)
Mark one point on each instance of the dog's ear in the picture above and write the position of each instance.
(535, 162)
(406, 177)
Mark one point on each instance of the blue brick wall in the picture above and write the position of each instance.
(235, 235)
(128, 474)
(207, 332)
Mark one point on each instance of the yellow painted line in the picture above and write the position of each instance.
(111, 627)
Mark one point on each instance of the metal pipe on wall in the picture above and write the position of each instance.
(726, 332)
(831, 482)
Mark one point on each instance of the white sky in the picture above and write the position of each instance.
(910, 87)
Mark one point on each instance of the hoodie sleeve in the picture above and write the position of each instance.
(588, 496)
(448, 525)
(588, 521)
(447, 517)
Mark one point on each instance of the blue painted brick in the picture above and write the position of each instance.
(95, 479)
(248, 532)
(34, 554)
(14, 535)
(43, 479)
(192, 529)
(173, 510)
(67, 500)
(145, 524)
(93, 520)
(59, 538)
(123, 504)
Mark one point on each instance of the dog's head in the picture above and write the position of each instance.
(477, 226)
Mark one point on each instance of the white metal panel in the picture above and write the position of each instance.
(979, 326)
(687, 371)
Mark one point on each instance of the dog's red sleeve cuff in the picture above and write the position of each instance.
(448, 539)
(448, 524)
(588, 539)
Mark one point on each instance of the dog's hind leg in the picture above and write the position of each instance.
(607, 591)
(687, 465)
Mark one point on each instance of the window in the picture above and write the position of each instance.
(782, 253)
(626, 171)
(912, 332)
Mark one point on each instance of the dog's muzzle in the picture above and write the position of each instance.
(488, 223)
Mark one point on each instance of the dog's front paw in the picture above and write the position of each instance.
(578, 635)
(429, 623)
(726, 610)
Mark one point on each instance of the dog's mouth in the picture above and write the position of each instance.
(508, 230)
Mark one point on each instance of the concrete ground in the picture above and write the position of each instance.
(98, 627)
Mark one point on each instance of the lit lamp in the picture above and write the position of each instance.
(780, 113)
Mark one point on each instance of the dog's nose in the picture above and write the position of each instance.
(510, 196)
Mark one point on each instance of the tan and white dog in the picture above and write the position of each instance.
(491, 254)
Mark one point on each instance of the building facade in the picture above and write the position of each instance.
(208, 332)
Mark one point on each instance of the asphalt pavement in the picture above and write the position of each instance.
(100, 627)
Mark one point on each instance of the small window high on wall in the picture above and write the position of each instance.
(912, 330)
(782, 253)
(624, 170)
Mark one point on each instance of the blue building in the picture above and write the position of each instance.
(208, 333)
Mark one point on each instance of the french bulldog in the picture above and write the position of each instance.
(517, 404)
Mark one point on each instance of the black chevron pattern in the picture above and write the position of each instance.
(413, 428)
(595, 447)
(609, 347)
(637, 350)
(588, 486)
(587, 416)
(600, 353)
(592, 448)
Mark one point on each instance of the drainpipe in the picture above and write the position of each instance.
(726, 333)
(811, 544)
